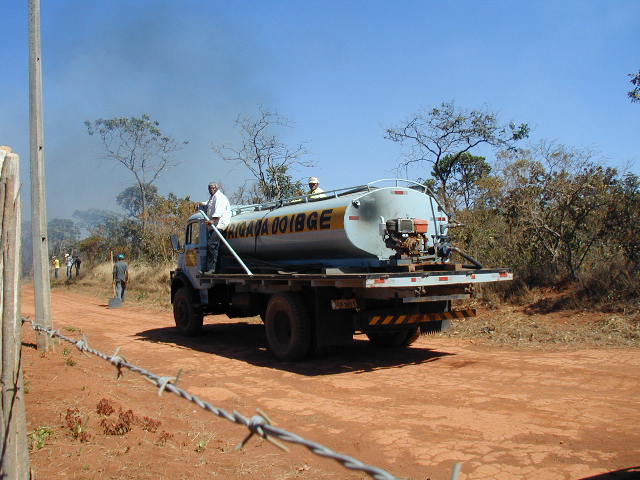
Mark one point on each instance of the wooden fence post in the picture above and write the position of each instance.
(3, 153)
(15, 456)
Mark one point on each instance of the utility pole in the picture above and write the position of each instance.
(42, 288)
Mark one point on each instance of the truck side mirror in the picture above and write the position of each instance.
(175, 243)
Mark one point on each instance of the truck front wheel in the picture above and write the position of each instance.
(188, 320)
(288, 327)
(399, 338)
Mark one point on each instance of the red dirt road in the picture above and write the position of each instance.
(505, 414)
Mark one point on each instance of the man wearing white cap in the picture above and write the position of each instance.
(314, 188)
(218, 209)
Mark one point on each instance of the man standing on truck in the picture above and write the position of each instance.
(120, 276)
(314, 188)
(218, 209)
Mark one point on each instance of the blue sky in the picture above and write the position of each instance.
(341, 71)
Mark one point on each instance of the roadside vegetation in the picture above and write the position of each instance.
(148, 283)
(559, 330)
(565, 222)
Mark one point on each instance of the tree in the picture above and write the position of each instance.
(169, 216)
(623, 219)
(112, 232)
(634, 93)
(247, 194)
(444, 133)
(93, 218)
(107, 231)
(281, 184)
(557, 201)
(130, 199)
(63, 235)
(266, 156)
(463, 173)
(137, 144)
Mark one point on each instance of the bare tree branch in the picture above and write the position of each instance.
(265, 155)
(446, 131)
(138, 145)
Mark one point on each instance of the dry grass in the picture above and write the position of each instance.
(534, 318)
(565, 316)
(517, 327)
(148, 284)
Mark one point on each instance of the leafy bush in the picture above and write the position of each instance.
(554, 216)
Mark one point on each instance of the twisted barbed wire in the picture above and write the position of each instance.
(257, 425)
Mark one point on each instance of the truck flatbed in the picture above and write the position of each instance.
(430, 278)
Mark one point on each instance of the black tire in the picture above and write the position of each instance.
(394, 339)
(188, 319)
(288, 327)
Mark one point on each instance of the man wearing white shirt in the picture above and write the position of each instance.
(314, 188)
(218, 209)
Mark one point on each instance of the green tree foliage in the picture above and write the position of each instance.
(167, 216)
(443, 135)
(555, 215)
(93, 249)
(138, 144)
(105, 231)
(623, 218)
(131, 201)
(281, 184)
(266, 156)
(110, 233)
(462, 174)
(92, 218)
(634, 93)
(116, 234)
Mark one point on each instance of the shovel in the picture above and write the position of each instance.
(115, 302)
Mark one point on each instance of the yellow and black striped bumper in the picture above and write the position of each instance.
(404, 319)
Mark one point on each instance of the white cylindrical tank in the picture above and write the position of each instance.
(345, 228)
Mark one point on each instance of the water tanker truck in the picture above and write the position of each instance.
(373, 259)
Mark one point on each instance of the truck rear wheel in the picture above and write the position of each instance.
(288, 327)
(188, 320)
(398, 338)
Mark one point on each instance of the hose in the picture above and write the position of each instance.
(476, 263)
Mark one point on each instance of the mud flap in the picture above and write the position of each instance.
(332, 327)
(430, 328)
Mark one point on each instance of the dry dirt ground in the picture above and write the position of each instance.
(504, 413)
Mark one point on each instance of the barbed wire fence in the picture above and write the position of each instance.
(257, 425)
